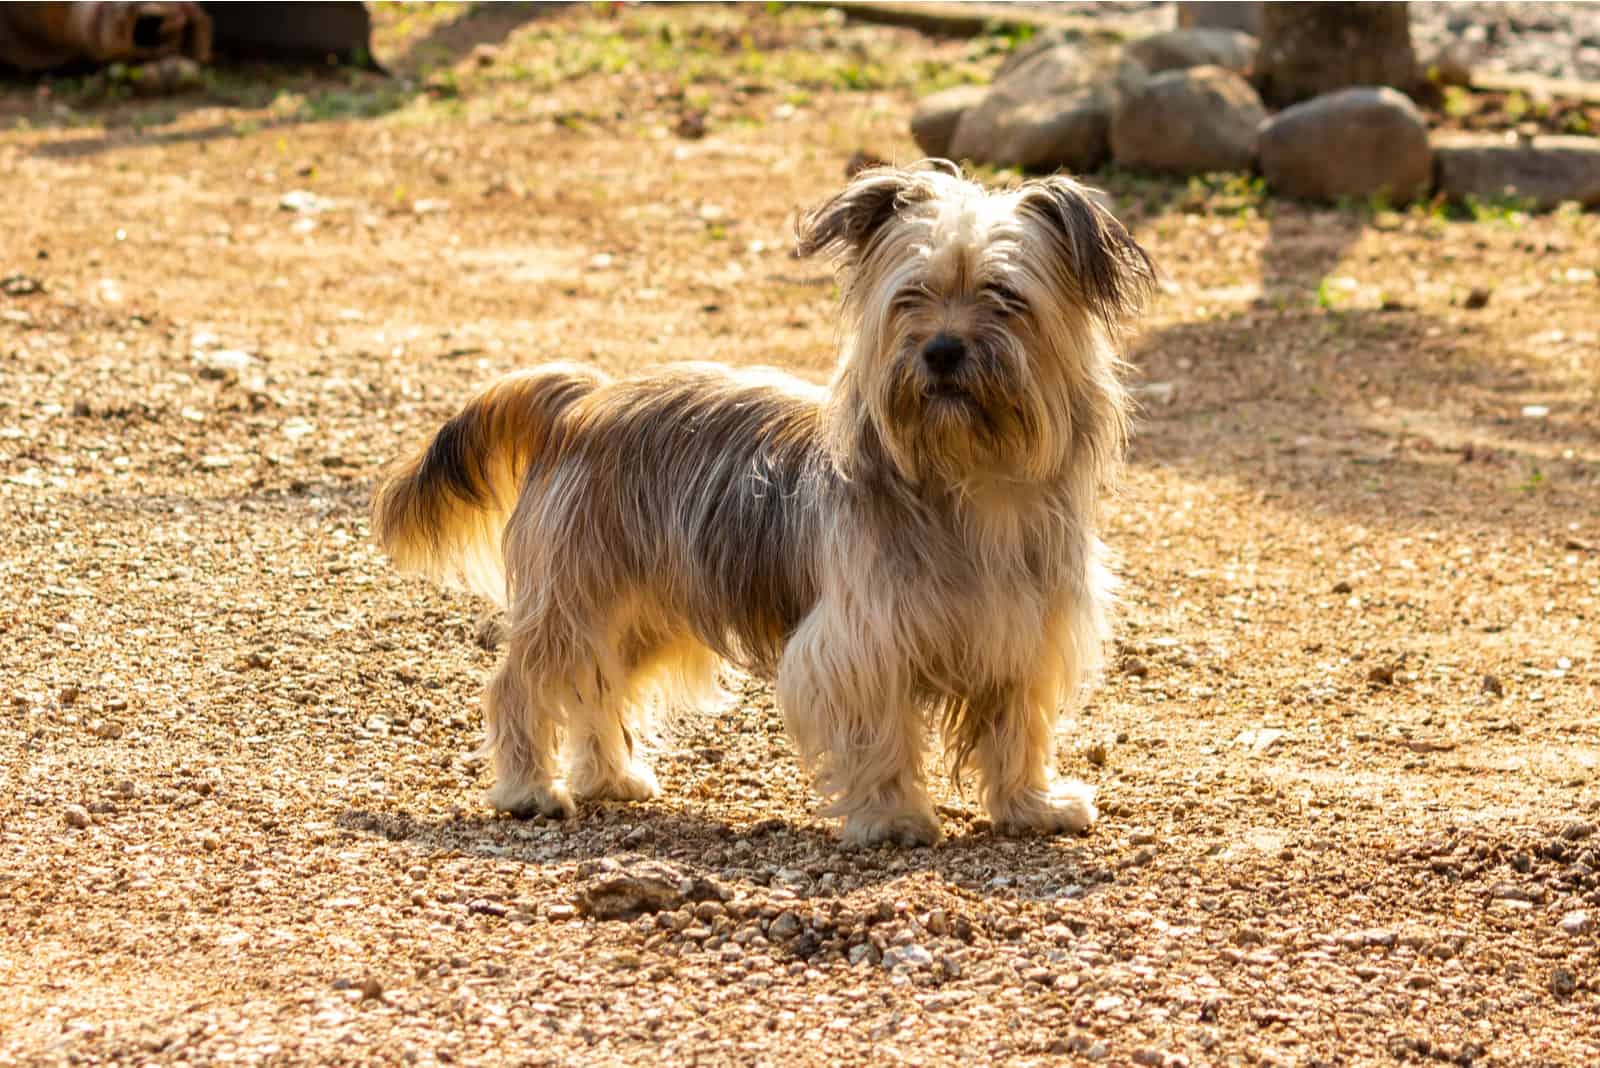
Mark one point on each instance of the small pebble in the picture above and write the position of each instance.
(1577, 922)
(909, 957)
(785, 926)
(77, 816)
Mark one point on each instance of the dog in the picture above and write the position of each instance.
(913, 546)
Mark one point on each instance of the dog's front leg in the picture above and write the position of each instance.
(847, 705)
(1013, 746)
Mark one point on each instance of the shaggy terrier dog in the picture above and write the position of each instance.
(913, 545)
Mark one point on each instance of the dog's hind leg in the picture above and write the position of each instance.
(608, 720)
(523, 737)
(852, 717)
(606, 762)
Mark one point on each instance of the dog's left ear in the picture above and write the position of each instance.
(846, 225)
(1102, 264)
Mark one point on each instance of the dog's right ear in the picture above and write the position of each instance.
(846, 225)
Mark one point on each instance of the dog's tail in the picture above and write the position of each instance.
(442, 512)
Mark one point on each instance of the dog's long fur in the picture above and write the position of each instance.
(899, 547)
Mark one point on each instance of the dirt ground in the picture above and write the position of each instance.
(1347, 750)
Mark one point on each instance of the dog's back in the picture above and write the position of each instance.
(682, 487)
(693, 488)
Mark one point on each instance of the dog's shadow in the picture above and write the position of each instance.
(805, 860)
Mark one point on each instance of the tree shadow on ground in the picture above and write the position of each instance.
(1335, 400)
(478, 25)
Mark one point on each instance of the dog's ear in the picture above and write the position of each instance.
(846, 224)
(1100, 261)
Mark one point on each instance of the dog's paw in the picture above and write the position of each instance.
(524, 800)
(907, 827)
(1067, 807)
(636, 782)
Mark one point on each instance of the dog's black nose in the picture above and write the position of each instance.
(944, 354)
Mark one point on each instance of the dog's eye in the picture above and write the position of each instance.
(1008, 299)
(910, 297)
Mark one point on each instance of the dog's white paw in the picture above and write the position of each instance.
(635, 782)
(523, 800)
(1066, 807)
(907, 827)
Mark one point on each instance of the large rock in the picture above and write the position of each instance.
(1049, 111)
(933, 123)
(1545, 170)
(1065, 130)
(1182, 49)
(1352, 143)
(1188, 122)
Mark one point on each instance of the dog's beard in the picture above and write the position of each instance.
(977, 423)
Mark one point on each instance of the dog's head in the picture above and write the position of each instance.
(982, 326)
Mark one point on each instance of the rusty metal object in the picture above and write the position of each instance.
(45, 36)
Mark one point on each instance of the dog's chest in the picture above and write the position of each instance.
(962, 596)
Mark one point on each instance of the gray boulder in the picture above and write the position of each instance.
(933, 123)
(1049, 111)
(1039, 42)
(1547, 170)
(1188, 122)
(1182, 49)
(1352, 143)
(1063, 130)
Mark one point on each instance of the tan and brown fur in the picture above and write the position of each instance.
(913, 545)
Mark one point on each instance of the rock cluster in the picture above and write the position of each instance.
(1182, 102)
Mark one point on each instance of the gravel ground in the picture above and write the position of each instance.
(1347, 752)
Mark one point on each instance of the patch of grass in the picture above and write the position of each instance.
(1242, 196)
(1329, 295)
(1508, 209)
(1458, 102)
(772, 49)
